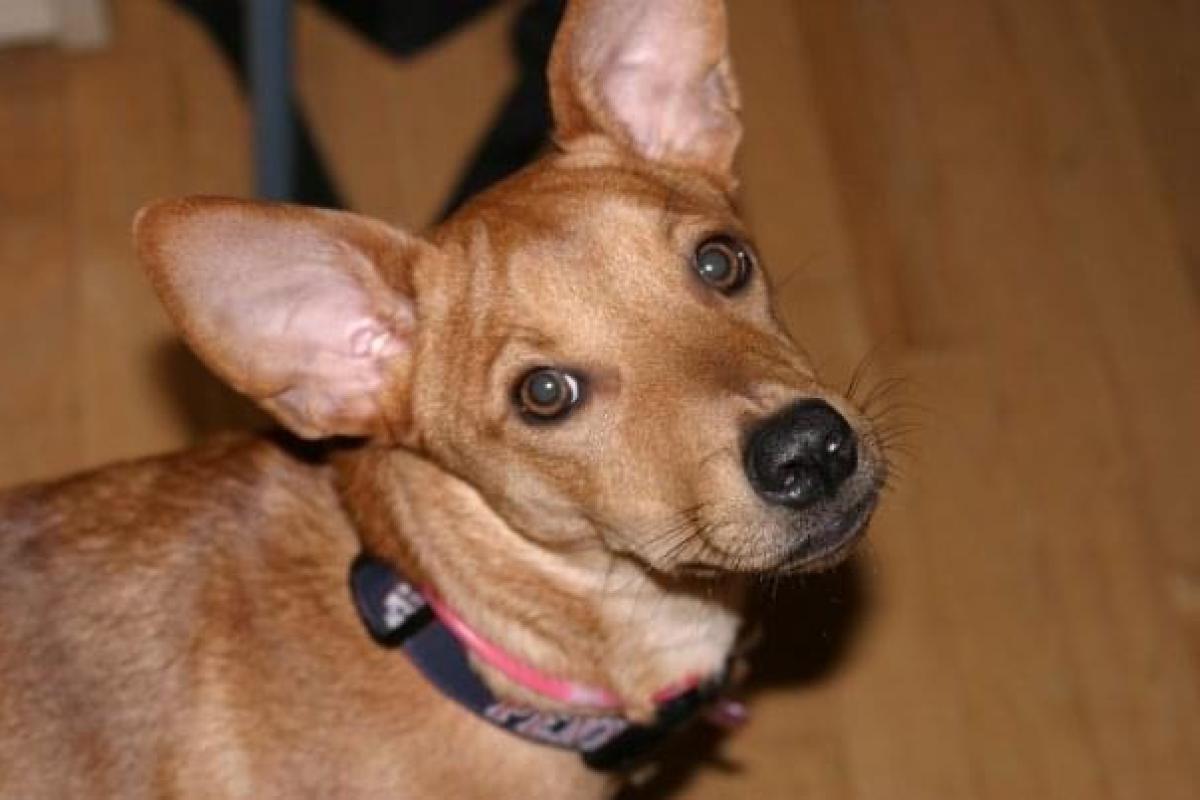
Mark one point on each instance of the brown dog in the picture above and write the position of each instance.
(578, 426)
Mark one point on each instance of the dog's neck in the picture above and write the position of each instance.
(587, 615)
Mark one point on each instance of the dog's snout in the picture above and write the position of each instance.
(801, 454)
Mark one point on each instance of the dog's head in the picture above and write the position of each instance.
(589, 344)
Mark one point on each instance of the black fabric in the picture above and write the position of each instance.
(521, 127)
(223, 20)
(519, 130)
(405, 28)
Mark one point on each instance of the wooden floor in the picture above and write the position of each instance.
(999, 199)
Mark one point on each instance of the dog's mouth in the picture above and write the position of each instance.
(812, 547)
(832, 543)
(818, 540)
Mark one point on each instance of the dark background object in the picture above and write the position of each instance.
(255, 40)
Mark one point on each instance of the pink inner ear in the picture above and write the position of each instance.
(321, 343)
(661, 71)
(292, 315)
(666, 115)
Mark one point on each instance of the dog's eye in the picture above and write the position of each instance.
(547, 393)
(723, 263)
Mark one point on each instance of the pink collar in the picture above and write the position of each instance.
(438, 643)
(529, 677)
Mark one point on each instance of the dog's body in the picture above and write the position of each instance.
(582, 426)
(181, 627)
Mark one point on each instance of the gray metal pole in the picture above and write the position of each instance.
(269, 62)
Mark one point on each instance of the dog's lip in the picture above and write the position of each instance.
(831, 545)
(823, 549)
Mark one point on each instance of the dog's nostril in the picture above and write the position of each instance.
(801, 454)
(841, 455)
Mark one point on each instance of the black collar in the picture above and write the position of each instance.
(397, 614)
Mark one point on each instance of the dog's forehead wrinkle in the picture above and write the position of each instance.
(613, 246)
(591, 280)
(560, 186)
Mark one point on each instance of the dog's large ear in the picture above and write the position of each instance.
(653, 75)
(308, 312)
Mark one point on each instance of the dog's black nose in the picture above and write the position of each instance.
(801, 454)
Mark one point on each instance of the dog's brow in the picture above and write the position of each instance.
(664, 219)
(680, 207)
(528, 336)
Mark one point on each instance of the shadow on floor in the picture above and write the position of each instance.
(809, 625)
